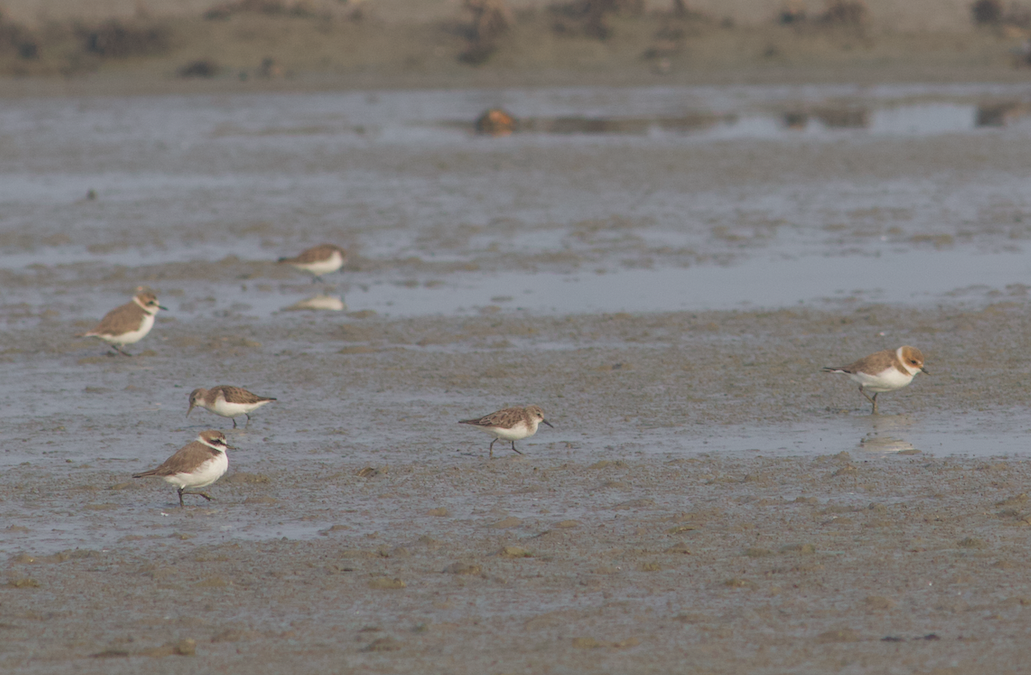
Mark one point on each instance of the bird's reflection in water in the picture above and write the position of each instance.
(330, 303)
(887, 435)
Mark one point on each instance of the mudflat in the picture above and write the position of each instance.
(360, 528)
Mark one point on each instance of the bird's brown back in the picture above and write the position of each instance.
(874, 363)
(185, 460)
(315, 254)
(123, 319)
(505, 419)
(236, 394)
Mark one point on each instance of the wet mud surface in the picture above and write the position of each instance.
(553, 563)
(707, 496)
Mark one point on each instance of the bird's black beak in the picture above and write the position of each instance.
(548, 423)
(163, 307)
(924, 371)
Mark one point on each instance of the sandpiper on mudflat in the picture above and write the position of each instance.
(510, 424)
(318, 260)
(129, 323)
(196, 465)
(227, 401)
(883, 371)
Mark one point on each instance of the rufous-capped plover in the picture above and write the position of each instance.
(510, 424)
(196, 465)
(318, 260)
(227, 401)
(129, 323)
(884, 371)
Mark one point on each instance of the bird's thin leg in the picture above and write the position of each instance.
(316, 280)
(248, 420)
(182, 491)
(865, 395)
(492, 448)
(514, 448)
(234, 421)
(871, 400)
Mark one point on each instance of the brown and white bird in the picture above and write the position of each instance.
(129, 323)
(884, 371)
(196, 465)
(227, 401)
(510, 424)
(318, 260)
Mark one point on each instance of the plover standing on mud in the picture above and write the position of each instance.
(196, 465)
(318, 260)
(884, 371)
(129, 323)
(510, 424)
(227, 401)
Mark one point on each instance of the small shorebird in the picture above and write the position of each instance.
(196, 465)
(227, 401)
(510, 424)
(318, 260)
(884, 371)
(129, 323)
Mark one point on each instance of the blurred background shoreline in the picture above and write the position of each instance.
(140, 46)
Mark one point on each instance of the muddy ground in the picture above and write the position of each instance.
(361, 530)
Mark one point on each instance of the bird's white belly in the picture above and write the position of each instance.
(206, 474)
(516, 433)
(227, 409)
(888, 380)
(331, 264)
(132, 337)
